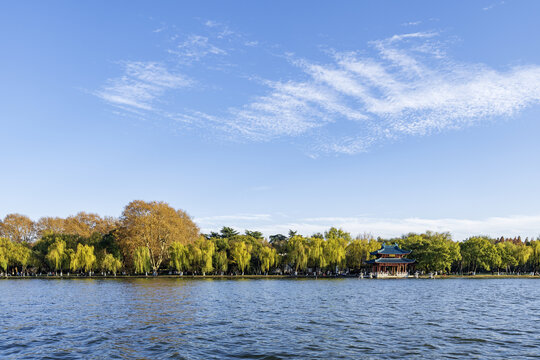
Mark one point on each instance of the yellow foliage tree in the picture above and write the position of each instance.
(155, 226)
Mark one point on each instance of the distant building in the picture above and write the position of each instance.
(390, 261)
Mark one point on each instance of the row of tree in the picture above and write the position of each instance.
(153, 237)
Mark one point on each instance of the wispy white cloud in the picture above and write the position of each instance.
(519, 225)
(141, 85)
(195, 47)
(217, 40)
(410, 88)
(290, 109)
(492, 5)
(411, 23)
(211, 23)
(223, 30)
(407, 86)
(160, 29)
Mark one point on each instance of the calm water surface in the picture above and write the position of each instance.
(269, 319)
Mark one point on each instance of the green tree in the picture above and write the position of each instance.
(335, 233)
(141, 260)
(280, 243)
(507, 254)
(267, 256)
(83, 259)
(57, 255)
(254, 234)
(200, 255)
(207, 252)
(535, 255)
(20, 255)
(432, 251)
(479, 252)
(277, 238)
(523, 254)
(334, 251)
(241, 255)
(316, 253)
(298, 253)
(441, 252)
(111, 264)
(228, 232)
(356, 254)
(4, 258)
(179, 255)
(221, 261)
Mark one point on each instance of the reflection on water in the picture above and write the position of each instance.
(269, 319)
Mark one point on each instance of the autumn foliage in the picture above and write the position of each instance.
(155, 238)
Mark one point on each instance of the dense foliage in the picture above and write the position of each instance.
(153, 237)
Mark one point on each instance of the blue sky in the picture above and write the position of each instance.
(379, 117)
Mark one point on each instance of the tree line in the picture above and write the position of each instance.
(154, 238)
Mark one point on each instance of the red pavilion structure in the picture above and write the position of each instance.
(390, 261)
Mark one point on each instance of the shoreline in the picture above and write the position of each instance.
(262, 277)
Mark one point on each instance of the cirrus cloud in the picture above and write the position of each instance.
(404, 85)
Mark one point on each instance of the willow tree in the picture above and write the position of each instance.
(356, 254)
(4, 259)
(523, 254)
(359, 251)
(155, 226)
(194, 256)
(57, 255)
(200, 254)
(316, 252)
(83, 259)
(20, 255)
(110, 263)
(241, 254)
(334, 252)
(141, 260)
(179, 256)
(221, 261)
(535, 254)
(207, 252)
(298, 251)
(267, 256)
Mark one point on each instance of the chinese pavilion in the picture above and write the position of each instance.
(390, 261)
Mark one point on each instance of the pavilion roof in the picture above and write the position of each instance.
(390, 261)
(390, 250)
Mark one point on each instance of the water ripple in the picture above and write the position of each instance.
(269, 319)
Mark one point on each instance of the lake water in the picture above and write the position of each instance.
(269, 319)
